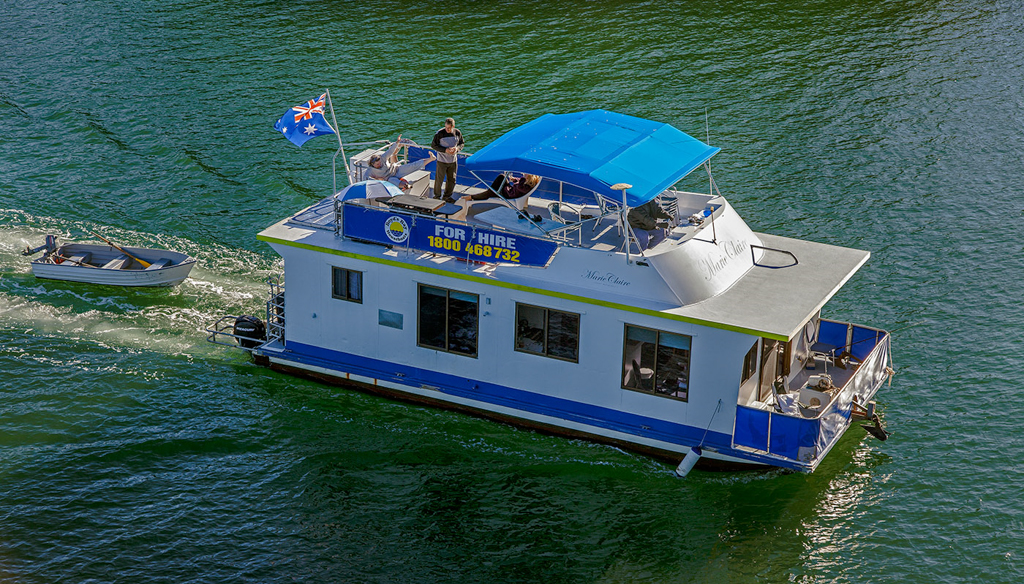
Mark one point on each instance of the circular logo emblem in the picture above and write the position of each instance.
(396, 229)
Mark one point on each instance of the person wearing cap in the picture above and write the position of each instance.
(385, 166)
(447, 142)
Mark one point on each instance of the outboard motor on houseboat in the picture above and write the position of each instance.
(50, 246)
(250, 331)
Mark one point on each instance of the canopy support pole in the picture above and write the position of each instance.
(627, 230)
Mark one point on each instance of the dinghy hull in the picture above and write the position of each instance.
(102, 264)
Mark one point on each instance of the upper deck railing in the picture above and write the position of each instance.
(556, 211)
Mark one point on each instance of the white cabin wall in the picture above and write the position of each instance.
(302, 297)
(716, 354)
(717, 357)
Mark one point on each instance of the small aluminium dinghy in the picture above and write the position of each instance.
(109, 264)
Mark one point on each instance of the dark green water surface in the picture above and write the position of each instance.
(133, 451)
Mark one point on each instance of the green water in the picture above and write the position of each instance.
(133, 451)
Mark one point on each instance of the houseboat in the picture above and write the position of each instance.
(696, 341)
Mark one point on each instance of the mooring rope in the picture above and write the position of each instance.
(717, 409)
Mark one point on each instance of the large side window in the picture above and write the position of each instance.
(543, 331)
(656, 362)
(448, 320)
(346, 284)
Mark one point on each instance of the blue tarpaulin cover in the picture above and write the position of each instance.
(596, 149)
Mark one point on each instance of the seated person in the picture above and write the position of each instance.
(510, 187)
(386, 167)
(649, 220)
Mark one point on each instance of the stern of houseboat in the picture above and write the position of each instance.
(804, 417)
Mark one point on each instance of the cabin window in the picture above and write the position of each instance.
(750, 363)
(656, 362)
(547, 332)
(448, 320)
(346, 284)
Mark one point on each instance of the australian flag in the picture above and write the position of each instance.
(303, 122)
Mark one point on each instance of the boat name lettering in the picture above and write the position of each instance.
(713, 266)
(606, 277)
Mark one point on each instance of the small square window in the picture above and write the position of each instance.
(346, 284)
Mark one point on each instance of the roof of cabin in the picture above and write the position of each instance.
(596, 149)
(777, 301)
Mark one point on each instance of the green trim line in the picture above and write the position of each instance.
(562, 295)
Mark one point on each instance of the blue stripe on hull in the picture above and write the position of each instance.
(499, 395)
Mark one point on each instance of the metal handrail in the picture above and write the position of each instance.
(275, 310)
(754, 258)
(221, 328)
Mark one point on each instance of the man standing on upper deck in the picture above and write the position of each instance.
(447, 142)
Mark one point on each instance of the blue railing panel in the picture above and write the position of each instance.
(793, 438)
(751, 428)
(832, 333)
(863, 342)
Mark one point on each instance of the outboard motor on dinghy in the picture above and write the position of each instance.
(250, 331)
(50, 246)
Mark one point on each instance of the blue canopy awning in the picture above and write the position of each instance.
(596, 149)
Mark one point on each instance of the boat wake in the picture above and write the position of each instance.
(172, 320)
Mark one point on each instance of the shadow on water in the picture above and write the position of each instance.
(373, 475)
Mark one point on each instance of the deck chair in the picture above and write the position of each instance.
(555, 210)
(638, 375)
(520, 203)
(637, 244)
(643, 238)
(524, 201)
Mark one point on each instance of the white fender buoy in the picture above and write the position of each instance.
(687, 463)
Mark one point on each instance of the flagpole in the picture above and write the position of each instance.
(341, 148)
